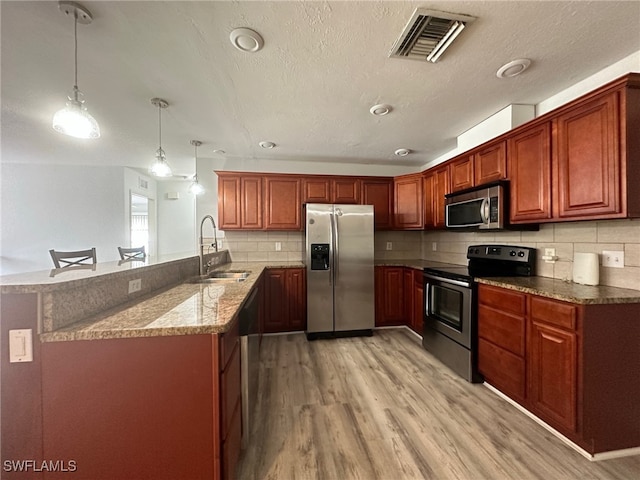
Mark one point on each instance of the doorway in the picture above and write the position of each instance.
(142, 223)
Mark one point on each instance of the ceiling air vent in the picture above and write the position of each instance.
(428, 34)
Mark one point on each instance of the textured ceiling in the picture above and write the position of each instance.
(309, 90)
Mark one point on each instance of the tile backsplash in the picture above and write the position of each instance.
(451, 247)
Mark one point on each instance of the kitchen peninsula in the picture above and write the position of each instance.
(154, 381)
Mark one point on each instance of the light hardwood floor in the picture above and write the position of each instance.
(382, 407)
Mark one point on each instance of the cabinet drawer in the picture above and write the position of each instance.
(504, 330)
(228, 342)
(502, 369)
(554, 312)
(502, 299)
(230, 395)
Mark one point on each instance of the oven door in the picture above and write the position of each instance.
(448, 307)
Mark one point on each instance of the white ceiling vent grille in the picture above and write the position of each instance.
(428, 34)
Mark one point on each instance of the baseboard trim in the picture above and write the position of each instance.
(626, 452)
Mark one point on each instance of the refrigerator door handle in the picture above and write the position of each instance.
(336, 246)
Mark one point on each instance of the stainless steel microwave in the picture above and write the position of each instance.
(483, 208)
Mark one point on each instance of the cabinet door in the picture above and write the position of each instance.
(551, 370)
(408, 202)
(529, 164)
(390, 300)
(440, 189)
(283, 209)
(276, 318)
(428, 192)
(251, 203)
(379, 194)
(490, 163)
(229, 202)
(407, 285)
(316, 190)
(346, 190)
(296, 299)
(588, 160)
(462, 175)
(418, 301)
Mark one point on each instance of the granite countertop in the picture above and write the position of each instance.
(565, 291)
(184, 309)
(410, 262)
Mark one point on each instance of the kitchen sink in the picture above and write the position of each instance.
(221, 277)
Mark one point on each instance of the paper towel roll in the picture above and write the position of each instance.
(586, 269)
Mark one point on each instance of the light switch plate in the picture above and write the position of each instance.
(389, 246)
(20, 346)
(278, 246)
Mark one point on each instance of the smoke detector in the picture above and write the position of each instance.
(428, 34)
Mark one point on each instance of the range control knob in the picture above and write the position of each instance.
(512, 253)
(521, 253)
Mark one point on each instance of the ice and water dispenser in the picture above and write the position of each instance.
(319, 256)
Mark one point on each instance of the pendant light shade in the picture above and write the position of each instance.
(160, 167)
(74, 119)
(196, 188)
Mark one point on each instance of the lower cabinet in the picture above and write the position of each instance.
(152, 407)
(285, 300)
(575, 366)
(389, 296)
(399, 297)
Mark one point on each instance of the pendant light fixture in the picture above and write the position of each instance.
(195, 187)
(74, 119)
(160, 167)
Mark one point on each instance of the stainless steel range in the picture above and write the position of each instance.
(450, 309)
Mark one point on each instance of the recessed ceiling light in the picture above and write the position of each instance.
(219, 152)
(246, 40)
(380, 109)
(267, 145)
(514, 68)
(402, 152)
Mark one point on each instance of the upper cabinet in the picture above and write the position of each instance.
(282, 206)
(436, 184)
(575, 163)
(530, 174)
(316, 190)
(346, 190)
(239, 201)
(331, 189)
(480, 166)
(379, 193)
(408, 213)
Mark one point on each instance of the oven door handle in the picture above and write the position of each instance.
(460, 283)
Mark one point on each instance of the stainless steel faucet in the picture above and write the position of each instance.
(204, 269)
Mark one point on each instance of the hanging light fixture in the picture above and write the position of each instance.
(195, 187)
(160, 167)
(74, 119)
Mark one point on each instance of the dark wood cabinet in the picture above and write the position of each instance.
(379, 193)
(490, 163)
(285, 300)
(408, 202)
(282, 206)
(408, 291)
(417, 320)
(230, 401)
(389, 293)
(552, 362)
(462, 173)
(565, 362)
(501, 339)
(346, 190)
(239, 201)
(316, 190)
(587, 163)
(441, 187)
(529, 158)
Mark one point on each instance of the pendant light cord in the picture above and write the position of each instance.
(160, 126)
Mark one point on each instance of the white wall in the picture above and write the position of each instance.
(176, 218)
(61, 207)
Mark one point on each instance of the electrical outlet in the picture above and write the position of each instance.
(434, 246)
(278, 246)
(549, 252)
(135, 285)
(389, 246)
(611, 258)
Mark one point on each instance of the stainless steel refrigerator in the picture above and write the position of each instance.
(340, 275)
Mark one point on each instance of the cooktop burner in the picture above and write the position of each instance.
(490, 261)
